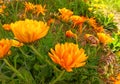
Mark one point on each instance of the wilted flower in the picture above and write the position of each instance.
(104, 38)
(65, 14)
(68, 56)
(50, 21)
(6, 27)
(39, 9)
(69, 33)
(5, 46)
(91, 39)
(29, 30)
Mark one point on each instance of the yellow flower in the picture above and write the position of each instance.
(111, 15)
(16, 43)
(90, 9)
(68, 56)
(28, 6)
(6, 27)
(39, 9)
(1, 11)
(29, 30)
(104, 38)
(65, 14)
(69, 33)
(5, 46)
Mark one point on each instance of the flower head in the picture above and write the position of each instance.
(68, 56)
(69, 33)
(29, 30)
(29, 6)
(65, 14)
(5, 46)
(39, 9)
(104, 38)
(6, 27)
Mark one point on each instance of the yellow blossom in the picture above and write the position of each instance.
(104, 38)
(65, 14)
(5, 46)
(29, 30)
(90, 9)
(68, 56)
(16, 43)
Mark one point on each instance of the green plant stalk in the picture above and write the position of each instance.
(58, 78)
(13, 69)
(41, 57)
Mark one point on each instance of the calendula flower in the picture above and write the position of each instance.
(78, 20)
(16, 43)
(29, 30)
(5, 46)
(92, 22)
(69, 33)
(111, 15)
(28, 6)
(65, 14)
(68, 56)
(39, 9)
(1, 11)
(104, 38)
(50, 21)
(6, 27)
(116, 80)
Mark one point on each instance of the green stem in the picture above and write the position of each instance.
(41, 57)
(36, 52)
(12, 68)
(58, 78)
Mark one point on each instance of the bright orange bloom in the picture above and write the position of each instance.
(116, 80)
(93, 23)
(77, 20)
(50, 21)
(68, 56)
(5, 46)
(6, 27)
(65, 14)
(104, 38)
(39, 9)
(69, 33)
(28, 6)
(29, 30)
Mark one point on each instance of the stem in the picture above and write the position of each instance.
(46, 60)
(12, 68)
(36, 52)
(58, 78)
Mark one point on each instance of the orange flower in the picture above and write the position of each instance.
(77, 20)
(50, 21)
(6, 27)
(65, 14)
(5, 46)
(28, 6)
(116, 80)
(69, 33)
(68, 56)
(39, 9)
(29, 30)
(104, 38)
